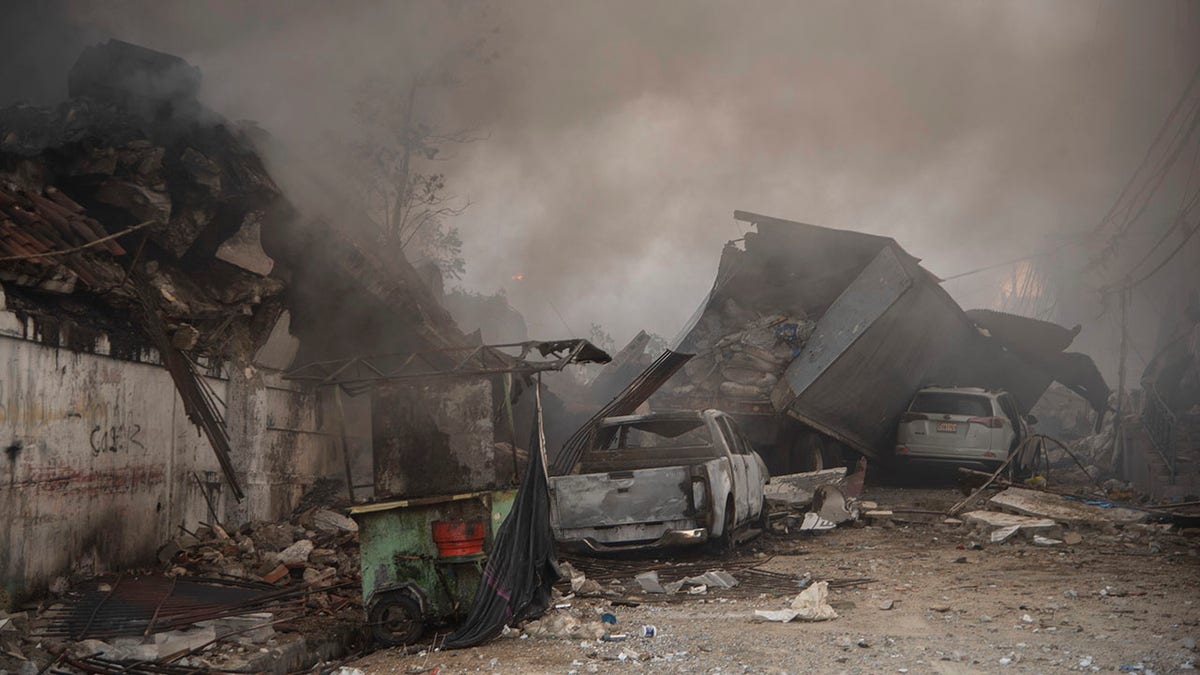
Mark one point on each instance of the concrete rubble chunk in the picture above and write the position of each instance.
(796, 489)
(297, 553)
(649, 582)
(273, 536)
(332, 521)
(1063, 510)
(1002, 526)
(244, 249)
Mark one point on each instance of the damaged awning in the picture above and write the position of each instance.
(359, 373)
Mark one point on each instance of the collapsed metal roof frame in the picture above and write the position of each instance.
(359, 373)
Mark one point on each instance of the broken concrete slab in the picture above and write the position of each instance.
(649, 582)
(332, 521)
(1062, 509)
(796, 484)
(244, 249)
(297, 553)
(992, 520)
(280, 347)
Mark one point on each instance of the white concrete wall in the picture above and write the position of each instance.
(98, 458)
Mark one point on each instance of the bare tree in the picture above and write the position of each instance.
(397, 155)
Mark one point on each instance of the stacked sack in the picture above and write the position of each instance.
(747, 363)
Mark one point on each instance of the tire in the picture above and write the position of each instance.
(764, 517)
(724, 543)
(814, 452)
(396, 620)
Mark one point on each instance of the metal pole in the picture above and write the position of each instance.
(341, 422)
(1118, 431)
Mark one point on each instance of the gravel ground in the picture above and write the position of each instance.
(1120, 600)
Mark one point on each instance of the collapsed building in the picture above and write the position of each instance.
(171, 282)
(817, 339)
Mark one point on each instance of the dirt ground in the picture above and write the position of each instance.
(1125, 600)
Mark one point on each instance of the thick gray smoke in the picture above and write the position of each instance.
(620, 136)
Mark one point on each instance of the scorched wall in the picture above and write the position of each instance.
(101, 466)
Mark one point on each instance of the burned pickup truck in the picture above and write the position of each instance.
(659, 480)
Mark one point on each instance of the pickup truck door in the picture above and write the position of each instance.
(739, 464)
(756, 475)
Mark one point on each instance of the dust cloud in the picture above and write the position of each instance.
(618, 137)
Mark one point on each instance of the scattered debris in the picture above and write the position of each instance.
(810, 605)
(1063, 509)
(1001, 526)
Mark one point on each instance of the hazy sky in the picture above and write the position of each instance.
(620, 136)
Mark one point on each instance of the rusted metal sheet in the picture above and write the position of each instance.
(885, 336)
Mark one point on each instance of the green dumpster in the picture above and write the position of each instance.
(409, 577)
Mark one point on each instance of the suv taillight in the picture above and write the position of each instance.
(912, 417)
(989, 422)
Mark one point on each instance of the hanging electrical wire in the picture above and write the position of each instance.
(1179, 105)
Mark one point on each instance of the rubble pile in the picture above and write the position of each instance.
(267, 593)
(319, 547)
(133, 152)
(743, 357)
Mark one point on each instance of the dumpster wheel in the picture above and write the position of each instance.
(396, 620)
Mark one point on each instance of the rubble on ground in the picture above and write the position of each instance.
(282, 593)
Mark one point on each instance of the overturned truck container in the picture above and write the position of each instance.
(817, 339)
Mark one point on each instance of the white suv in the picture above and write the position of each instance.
(960, 425)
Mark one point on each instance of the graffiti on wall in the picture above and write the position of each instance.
(116, 438)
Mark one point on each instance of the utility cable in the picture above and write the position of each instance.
(1150, 150)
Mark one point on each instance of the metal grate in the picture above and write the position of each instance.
(1160, 426)
(138, 606)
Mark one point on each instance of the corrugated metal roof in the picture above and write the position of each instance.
(36, 228)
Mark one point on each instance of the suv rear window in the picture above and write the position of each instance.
(944, 403)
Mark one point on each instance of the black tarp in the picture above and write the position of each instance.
(523, 565)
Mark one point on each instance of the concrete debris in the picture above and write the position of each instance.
(332, 521)
(1063, 510)
(1002, 526)
(296, 554)
(832, 505)
(796, 489)
(649, 582)
(810, 605)
(1003, 534)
